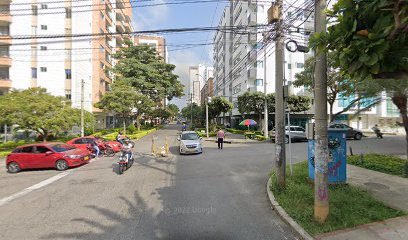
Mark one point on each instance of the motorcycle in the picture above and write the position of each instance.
(107, 150)
(125, 162)
(377, 132)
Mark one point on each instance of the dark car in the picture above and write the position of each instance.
(351, 132)
(46, 155)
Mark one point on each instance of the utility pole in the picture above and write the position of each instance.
(266, 92)
(206, 116)
(82, 108)
(191, 102)
(5, 133)
(280, 157)
(321, 203)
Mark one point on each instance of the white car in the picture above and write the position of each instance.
(296, 133)
(190, 143)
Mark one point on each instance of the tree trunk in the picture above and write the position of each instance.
(138, 122)
(400, 100)
(260, 121)
(45, 135)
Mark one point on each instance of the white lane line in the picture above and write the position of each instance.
(34, 187)
(38, 185)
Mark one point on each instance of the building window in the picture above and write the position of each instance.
(43, 69)
(4, 73)
(259, 64)
(44, 6)
(43, 48)
(34, 30)
(68, 12)
(259, 82)
(392, 110)
(299, 65)
(34, 9)
(44, 27)
(68, 94)
(67, 73)
(33, 72)
(289, 66)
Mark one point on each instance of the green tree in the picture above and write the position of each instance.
(369, 42)
(38, 110)
(125, 101)
(252, 102)
(173, 109)
(295, 103)
(162, 114)
(337, 85)
(146, 71)
(217, 106)
(195, 111)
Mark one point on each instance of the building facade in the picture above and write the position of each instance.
(240, 59)
(85, 34)
(157, 42)
(207, 90)
(198, 75)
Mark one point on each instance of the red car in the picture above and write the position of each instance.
(84, 142)
(46, 155)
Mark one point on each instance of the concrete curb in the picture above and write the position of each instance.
(282, 213)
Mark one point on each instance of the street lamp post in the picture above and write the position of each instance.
(206, 115)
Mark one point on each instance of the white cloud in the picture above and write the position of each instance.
(150, 17)
(183, 60)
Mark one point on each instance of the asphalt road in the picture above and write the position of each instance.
(219, 194)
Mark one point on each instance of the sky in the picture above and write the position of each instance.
(182, 16)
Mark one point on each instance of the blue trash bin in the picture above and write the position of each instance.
(337, 171)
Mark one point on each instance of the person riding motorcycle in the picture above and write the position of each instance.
(377, 131)
(119, 138)
(184, 127)
(127, 149)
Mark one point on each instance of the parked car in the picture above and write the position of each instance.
(351, 132)
(190, 142)
(296, 133)
(46, 155)
(84, 142)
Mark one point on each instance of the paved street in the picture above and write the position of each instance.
(219, 194)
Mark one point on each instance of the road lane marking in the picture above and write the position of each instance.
(39, 185)
(34, 187)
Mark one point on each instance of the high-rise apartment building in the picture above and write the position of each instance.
(69, 42)
(157, 42)
(198, 76)
(240, 59)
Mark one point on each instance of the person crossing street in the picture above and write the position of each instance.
(220, 137)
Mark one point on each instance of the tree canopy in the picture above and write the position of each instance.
(219, 105)
(38, 110)
(145, 70)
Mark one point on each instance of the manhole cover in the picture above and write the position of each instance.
(376, 185)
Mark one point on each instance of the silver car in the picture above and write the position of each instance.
(190, 143)
(296, 133)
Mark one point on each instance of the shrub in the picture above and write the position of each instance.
(131, 129)
(381, 163)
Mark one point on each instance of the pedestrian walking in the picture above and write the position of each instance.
(221, 137)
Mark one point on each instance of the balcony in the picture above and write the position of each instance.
(128, 27)
(252, 38)
(120, 28)
(252, 4)
(120, 15)
(5, 61)
(252, 74)
(120, 4)
(5, 83)
(5, 40)
(252, 19)
(5, 18)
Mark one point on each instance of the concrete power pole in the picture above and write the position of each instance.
(82, 108)
(279, 105)
(321, 204)
(266, 92)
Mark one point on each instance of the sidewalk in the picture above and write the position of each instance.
(392, 191)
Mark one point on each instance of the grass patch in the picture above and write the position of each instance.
(349, 206)
(4, 153)
(381, 163)
(203, 134)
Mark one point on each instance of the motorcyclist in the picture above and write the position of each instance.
(119, 138)
(184, 127)
(127, 149)
(377, 131)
